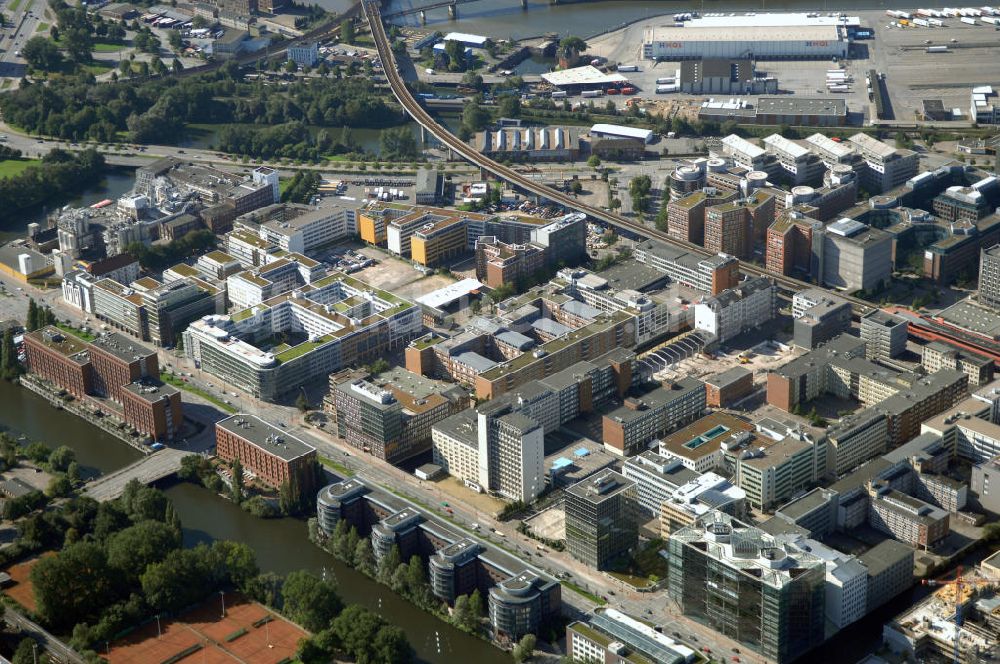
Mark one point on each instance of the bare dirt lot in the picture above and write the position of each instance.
(399, 276)
(550, 523)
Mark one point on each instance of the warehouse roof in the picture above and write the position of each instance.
(742, 33)
(619, 130)
(265, 436)
(587, 75)
(801, 106)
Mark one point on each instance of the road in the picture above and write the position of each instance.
(57, 650)
(25, 21)
(149, 469)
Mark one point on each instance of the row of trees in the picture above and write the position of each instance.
(157, 110)
(59, 175)
(302, 187)
(39, 316)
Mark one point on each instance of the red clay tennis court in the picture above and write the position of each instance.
(248, 633)
(21, 590)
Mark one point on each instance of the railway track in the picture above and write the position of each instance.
(424, 119)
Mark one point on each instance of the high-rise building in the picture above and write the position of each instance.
(710, 275)
(884, 335)
(855, 256)
(989, 277)
(798, 164)
(511, 452)
(744, 584)
(629, 428)
(818, 316)
(887, 167)
(736, 310)
(795, 245)
(601, 520)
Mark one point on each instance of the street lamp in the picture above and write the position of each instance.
(222, 594)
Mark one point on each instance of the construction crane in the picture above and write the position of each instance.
(960, 584)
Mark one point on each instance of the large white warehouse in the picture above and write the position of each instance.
(765, 36)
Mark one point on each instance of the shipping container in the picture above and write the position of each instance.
(560, 94)
(628, 90)
(669, 80)
(628, 67)
(663, 89)
(840, 88)
(937, 49)
(592, 93)
(936, 22)
(921, 22)
(968, 21)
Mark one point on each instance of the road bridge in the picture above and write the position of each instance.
(156, 466)
(425, 120)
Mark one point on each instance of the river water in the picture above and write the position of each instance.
(506, 18)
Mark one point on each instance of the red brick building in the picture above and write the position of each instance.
(271, 454)
(60, 359)
(119, 373)
(119, 361)
(725, 388)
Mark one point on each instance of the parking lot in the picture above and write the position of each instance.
(398, 275)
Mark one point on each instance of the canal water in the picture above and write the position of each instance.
(281, 545)
(116, 181)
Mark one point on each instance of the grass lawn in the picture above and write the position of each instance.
(97, 69)
(338, 468)
(11, 167)
(171, 379)
(106, 47)
(42, 27)
(14, 5)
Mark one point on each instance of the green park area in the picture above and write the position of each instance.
(12, 167)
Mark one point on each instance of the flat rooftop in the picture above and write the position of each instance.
(586, 75)
(122, 347)
(151, 391)
(705, 436)
(65, 344)
(738, 32)
(972, 317)
(801, 106)
(266, 436)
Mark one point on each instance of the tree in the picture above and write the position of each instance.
(32, 323)
(476, 604)
(525, 648)
(10, 366)
(310, 601)
(266, 589)
(594, 161)
(457, 59)
(473, 80)
(302, 403)
(78, 44)
(357, 627)
(378, 366)
(237, 481)
(391, 646)
(175, 41)
(61, 457)
(26, 653)
(364, 557)
(510, 106)
(72, 585)
(347, 31)
(571, 46)
(176, 65)
(387, 566)
(59, 487)
(639, 188)
(41, 53)
(398, 143)
(991, 532)
(576, 187)
(133, 549)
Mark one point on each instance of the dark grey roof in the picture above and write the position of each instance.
(728, 377)
(515, 339)
(884, 555)
(581, 309)
(551, 326)
(266, 436)
(478, 362)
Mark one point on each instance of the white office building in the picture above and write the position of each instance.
(736, 310)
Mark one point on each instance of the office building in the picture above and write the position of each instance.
(511, 452)
(656, 478)
(269, 454)
(278, 275)
(699, 496)
(747, 306)
(728, 229)
(628, 429)
(612, 636)
(562, 241)
(742, 583)
(887, 167)
(710, 275)
(856, 256)
(908, 519)
(989, 277)
(689, 178)
(305, 55)
(429, 186)
(798, 165)
(856, 438)
(985, 107)
(331, 323)
(747, 155)
(794, 245)
(724, 389)
(884, 335)
(216, 266)
(818, 316)
(301, 229)
(890, 571)
(846, 587)
(966, 430)
(686, 214)
(521, 599)
(601, 522)
(938, 355)
(390, 415)
(116, 373)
